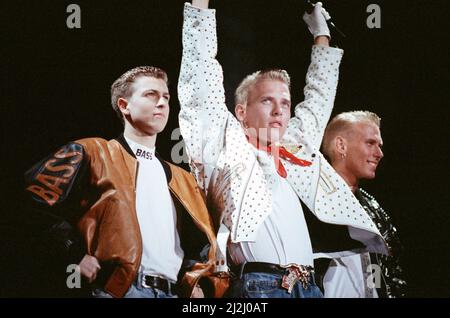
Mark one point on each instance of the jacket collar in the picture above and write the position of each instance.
(121, 139)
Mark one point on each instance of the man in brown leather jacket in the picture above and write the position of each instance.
(134, 223)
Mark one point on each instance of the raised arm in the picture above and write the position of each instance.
(203, 114)
(312, 115)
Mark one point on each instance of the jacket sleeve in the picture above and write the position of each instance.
(312, 115)
(52, 190)
(204, 115)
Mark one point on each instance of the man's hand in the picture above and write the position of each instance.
(202, 4)
(89, 267)
(317, 24)
(197, 292)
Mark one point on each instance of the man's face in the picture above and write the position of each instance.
(148, 105)
(363, 150)
(268, 111)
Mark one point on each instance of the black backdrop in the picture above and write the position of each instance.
(55, 88)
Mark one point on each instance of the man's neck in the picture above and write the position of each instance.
(257, 143)
(351, 180)
(140, 137)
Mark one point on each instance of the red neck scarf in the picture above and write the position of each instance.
(281, 152)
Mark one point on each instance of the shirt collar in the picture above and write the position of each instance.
(141, 151)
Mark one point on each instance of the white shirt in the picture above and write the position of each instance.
(283, 238)
(161, 250)
(350, 277)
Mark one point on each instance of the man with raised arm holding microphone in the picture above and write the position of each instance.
(258, 168)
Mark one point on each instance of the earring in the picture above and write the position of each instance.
(343, 155)
(245, 126)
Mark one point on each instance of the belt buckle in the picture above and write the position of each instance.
(144, 281)
(297, 273)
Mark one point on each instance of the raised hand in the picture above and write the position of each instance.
(317, 21)
(202, 4)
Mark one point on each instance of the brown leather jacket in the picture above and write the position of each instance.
(100, 177)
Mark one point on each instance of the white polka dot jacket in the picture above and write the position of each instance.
(236, 180)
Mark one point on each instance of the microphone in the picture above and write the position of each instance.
(310, 8)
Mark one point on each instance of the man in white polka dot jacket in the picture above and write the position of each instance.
(257, 170)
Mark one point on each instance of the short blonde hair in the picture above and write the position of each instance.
(241, 94)
(341, 124)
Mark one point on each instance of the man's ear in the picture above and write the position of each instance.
(240, 112)
(340, 145)
(122, 103)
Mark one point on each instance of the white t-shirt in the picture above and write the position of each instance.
(349, 277)
(283, 238)
(161, 253)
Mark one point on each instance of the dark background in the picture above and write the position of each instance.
(55, 88)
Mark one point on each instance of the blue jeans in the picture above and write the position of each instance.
(263, 285)
(136, 290)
